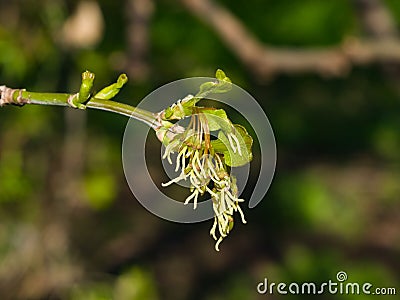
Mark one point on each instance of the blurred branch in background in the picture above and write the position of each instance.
(267, 61)
(139, 14)
(376, 19)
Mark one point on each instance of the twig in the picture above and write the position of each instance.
(21, 97)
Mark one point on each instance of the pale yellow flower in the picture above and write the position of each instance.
(206, 172)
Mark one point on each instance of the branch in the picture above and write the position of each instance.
(21, 97)
(267, 61)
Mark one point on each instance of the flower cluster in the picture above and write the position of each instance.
(207, 172)
(206, 162)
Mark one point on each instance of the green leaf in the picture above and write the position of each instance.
(220, 75)
(112, 90)
(206, 88)
(233, 159)
(217, 119)
(168, 114)
(185, 107)
(181, 109)
(224, 84)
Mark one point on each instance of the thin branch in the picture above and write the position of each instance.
(21, 97)
(266, 61)
(126, 110)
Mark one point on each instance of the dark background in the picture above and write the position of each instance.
(327, 73)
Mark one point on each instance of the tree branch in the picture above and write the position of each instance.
(21, 97)
(266, 61)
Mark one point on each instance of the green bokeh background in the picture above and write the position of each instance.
(70, 227)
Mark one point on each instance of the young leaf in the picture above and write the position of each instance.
(217, 119)
(206, 88)
(220, 75)
(112, 90)
(234, 158)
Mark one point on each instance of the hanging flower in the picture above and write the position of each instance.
(205, 162)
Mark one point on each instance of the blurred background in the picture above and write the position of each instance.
(327, 73)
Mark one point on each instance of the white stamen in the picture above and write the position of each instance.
(195, 181)
(228, 193)
(194, 195)
(211, 167)
(201, 133)
(169, 150)
(220, 165)
(230, 204)
(178, 159)
(231, 142)
(181, 109)
(216, 181)
(183, 176)
(169, 158)
(189, 153)
(217, 244)
(201, 166)
(222, 201)
(211, 192)
(241, 214)
(221, 226)
(234, 137)
(195, 162)
(212, 231)
(165, 153)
